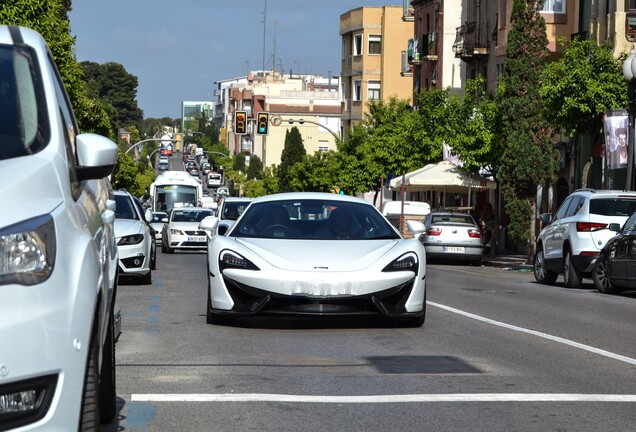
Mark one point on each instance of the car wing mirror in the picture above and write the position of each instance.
(614, 227)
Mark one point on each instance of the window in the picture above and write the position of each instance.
(357, 45)
(375, 44)
(373, 90)
(555, 6)
(344, 49)
(357, 90)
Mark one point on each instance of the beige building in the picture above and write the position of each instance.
(309, 102)
(373, 39)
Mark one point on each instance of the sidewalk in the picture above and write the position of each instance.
(511, 262)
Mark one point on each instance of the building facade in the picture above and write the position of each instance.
(373, 39)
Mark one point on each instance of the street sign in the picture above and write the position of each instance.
(275, 120)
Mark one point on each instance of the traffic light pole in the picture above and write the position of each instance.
(301, 121)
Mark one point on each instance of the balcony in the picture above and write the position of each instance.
(423, 49)
(472, 40)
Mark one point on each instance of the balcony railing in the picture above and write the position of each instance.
(423, 48)
(471, 40)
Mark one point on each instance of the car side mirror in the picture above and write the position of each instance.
(614, 227)
(148, 216)
(545, 217)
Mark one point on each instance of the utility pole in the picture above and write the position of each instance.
(264, 33)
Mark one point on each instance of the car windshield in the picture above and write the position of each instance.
(125, 208)
(232, 210)
(157, 217)
(313, 219)
(190, 215)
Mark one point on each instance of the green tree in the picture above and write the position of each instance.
(474, 131)
(50, 19)
(579, 87)
(111, 82)
(255, 169)
(529, 158)
(293, 152)
(239, 163)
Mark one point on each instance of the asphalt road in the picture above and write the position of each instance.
(497, 352)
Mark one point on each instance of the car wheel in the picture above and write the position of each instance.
(147, 278)
(571, 276)
(107, 382)
(90, 415)
(163, 247)
(542, 274)
(153, 257)
(601, 278)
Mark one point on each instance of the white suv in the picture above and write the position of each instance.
(58, 257)
(573, 239)
(135, 241)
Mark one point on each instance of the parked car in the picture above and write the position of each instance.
(58, 255)
(452, 236)
(157, 222)
(181, 229)
(134, 238)
(317, 254)
(615, 268)
(574, 237)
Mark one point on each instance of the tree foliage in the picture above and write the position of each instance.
(529, 158)
(112, 83)
(293, 152)
(580, 86)
(255, 168)
(50, 19)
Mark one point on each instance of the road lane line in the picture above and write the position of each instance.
(539, 334)
(377, 399)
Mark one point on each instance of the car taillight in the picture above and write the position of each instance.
(590, 226)
(434, 231)
(474, 233)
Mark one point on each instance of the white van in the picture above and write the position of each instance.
(415, 208)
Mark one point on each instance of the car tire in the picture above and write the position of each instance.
(163, 247)
(542, 274)
(601, 278)
(107, 383)
(153, 257)
(571, 275)
(147, 278)
(90, 414)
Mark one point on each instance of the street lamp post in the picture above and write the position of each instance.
(138, 143)
(301, 121)
(629, 72)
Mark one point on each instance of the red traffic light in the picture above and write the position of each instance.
(240, 122)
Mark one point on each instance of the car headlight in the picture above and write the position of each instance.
(130, 240)
(174, 231)
(232, 260)
(27, 251)
(407, 262)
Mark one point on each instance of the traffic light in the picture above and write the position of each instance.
(262, 123)
(240, 122)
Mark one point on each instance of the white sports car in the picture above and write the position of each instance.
(316, 254)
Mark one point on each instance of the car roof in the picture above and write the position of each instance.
(309, 196)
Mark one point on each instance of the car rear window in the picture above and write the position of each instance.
(453, 219)
(619, 206)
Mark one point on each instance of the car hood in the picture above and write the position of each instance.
(36, 182)
(124, 227)
(309, 255)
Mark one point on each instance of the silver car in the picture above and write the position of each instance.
(315, 254)
(58, 257)
(452, 236)
(181, 229)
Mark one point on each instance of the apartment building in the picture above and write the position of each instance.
(373, 39)
(309, 102)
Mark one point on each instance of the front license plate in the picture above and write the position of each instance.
(456, 249)
(196, 239)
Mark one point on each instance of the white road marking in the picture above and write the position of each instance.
(376, 399)
(451, 397)
(539, 334)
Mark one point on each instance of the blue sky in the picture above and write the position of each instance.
(178, 50)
